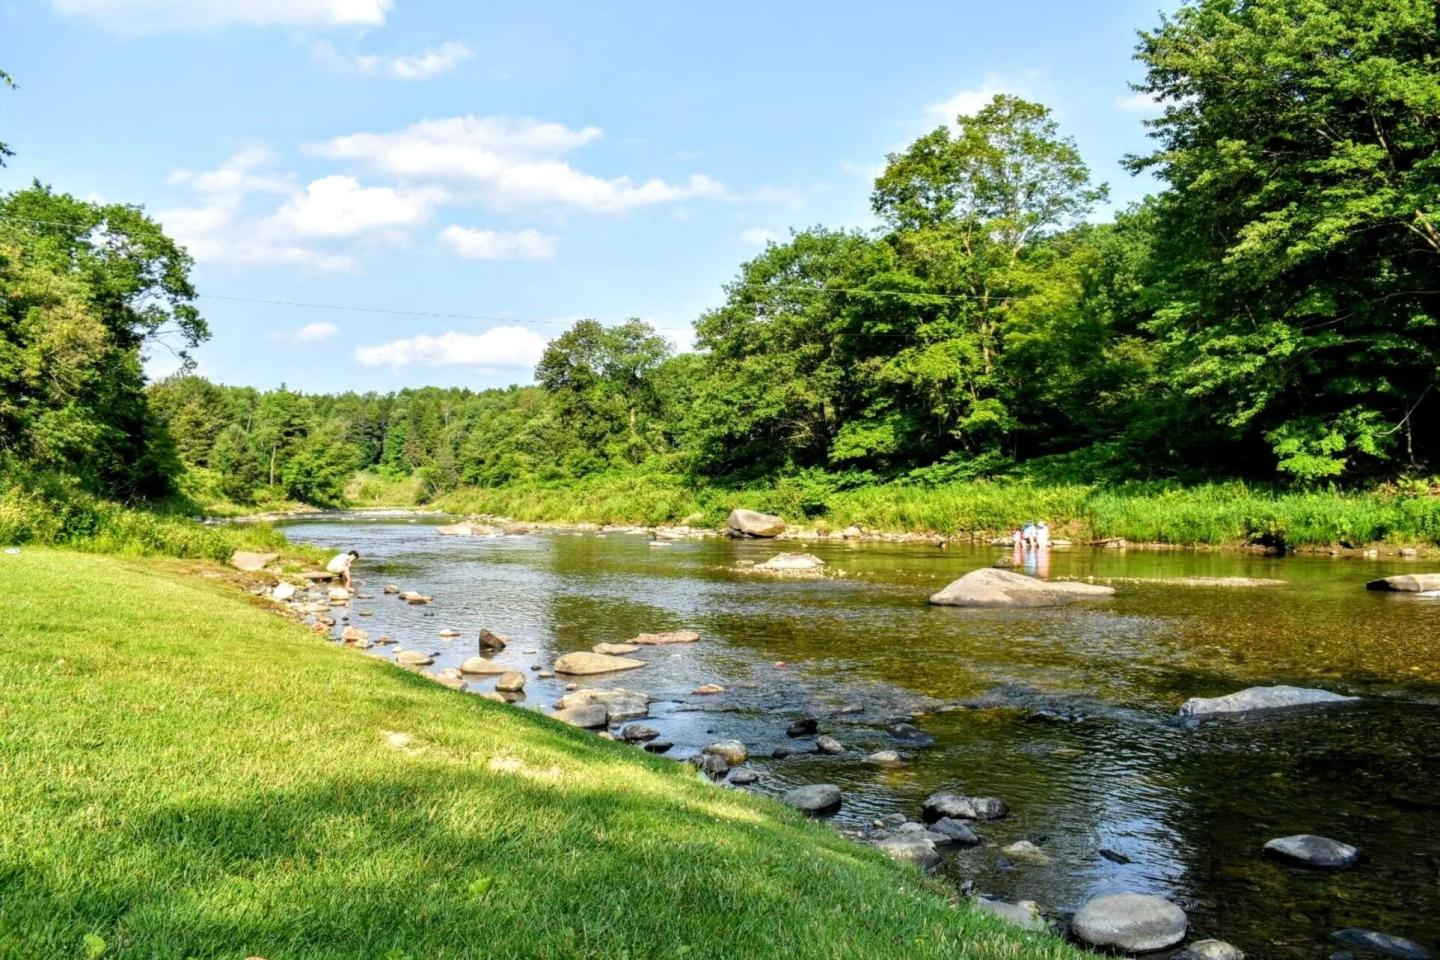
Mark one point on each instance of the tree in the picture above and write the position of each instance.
(5, 151)
(1300, 235)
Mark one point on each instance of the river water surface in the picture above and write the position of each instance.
(1065, 713)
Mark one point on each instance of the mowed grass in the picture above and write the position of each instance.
(185, 776)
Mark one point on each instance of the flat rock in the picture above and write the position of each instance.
(957, 831)
(1308, 850)
(619, 703)
(615, 649)
(483, 667)
(1023, 915)
(749, 523)
(732, 752)
(511, 682)
(1025, 851)
(958, 807)
(910, 849)
(992, 587)
(1407, 583)
(1210, 950)
(467, 530)
(791, 563)
(1260, 698)
(816, 798)
(709, 689)
(1133, 922)
(413, 658)
(252, 562)
(589, 716)
(1382, 943)
(586, 664)
(665, 639)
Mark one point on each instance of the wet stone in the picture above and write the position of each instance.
(1385, 944)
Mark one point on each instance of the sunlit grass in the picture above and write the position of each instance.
(183, 776)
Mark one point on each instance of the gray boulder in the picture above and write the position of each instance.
(1133, 922)
(992, 587)
(1023, 914)
(1382, 943)
(1308, 850)
(589, 716)
(910, 848)
(748, 523)
(1260, 698)
(957, 807)
(956, 831)
(1210, 950)
(829, 745)
(619, 703)
(815, 799)
(743, 778)
(638, 733)
(1407, 583)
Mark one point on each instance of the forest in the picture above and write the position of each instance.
(1268, 316)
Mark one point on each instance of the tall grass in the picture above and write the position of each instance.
(1210, 514)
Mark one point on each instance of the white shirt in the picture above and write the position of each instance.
(340, 564)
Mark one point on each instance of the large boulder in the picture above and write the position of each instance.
(991, 587)
(1407, 583)
(1385, 944)
(1133, 922)
(584, 664)
(1260, 698)
(619, 703)
(252, 562)
(815, 799)
(748, 523)
(958, 807)
(1308, 850)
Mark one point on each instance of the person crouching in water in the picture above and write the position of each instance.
(340, 566)
(1042, 536)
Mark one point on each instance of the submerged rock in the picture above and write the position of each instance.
(1260, 698)
(1407, 583)
(586, 664)
(709, 689)
(992, 587)
(1025, 852)
(665, 639)
(1024, 914)
(958, 807)
(1210, 950)
(743, 778)
(614, 649)
(884, 758)
(1382, 943)
(748, 523)
(467, 530)
(1308, 850)
(1134, 922)
(791, 563)
(817, 798)
(804, 727)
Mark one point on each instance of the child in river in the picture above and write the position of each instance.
(1042, 536)
(340, 565)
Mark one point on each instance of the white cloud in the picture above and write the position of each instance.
(149, 16)
(419, 66)
(968, 102)
(311, 333)
(510, 161)
(339, 207)
(758, 237)
(496, 349)
(496, 245)
(1138, 102)
(241, 173)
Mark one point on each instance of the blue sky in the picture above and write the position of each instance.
(505, 168)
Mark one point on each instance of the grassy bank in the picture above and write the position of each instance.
(186, 777)
(1216, 514)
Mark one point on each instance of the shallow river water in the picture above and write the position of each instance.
(1065, 713)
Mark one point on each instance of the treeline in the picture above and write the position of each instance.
(1272, 313)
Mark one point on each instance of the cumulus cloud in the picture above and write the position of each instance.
(419, 66)
(241, 173)
(758, 237)
(151, 16)
(339, 206)
(311, 333)
(499, 348)
(968, 102)
(509, 161)
(497, 245)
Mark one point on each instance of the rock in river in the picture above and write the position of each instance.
(911, 849)
(732, 752)
(638, 733)
(791, 563)
(1407, 583)
(586, 664)
(614, 649)
(803, 727)
(817, 798)
(1134, 922)
(748, 523)
(413, 658)
(665, 639)
(1026, 852)
(511, 682)
(884, 758)
(490, 640)
(1307, 850)
(1260, 698)
(588, 716)
(480, 665)
(1210, 950)
(1382, 943)
(956, 831)
(829, 745)
(990, 587)
(619, 703)
(957, 807)
(743, 778)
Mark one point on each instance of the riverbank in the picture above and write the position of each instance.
(220, 783)
(1225, 515)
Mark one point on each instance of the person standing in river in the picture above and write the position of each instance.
(340, 566)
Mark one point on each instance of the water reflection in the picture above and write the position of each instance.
(1063, 712)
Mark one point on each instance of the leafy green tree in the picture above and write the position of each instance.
(1300, 234)
(5, 151)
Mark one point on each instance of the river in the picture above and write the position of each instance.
(1065, 713)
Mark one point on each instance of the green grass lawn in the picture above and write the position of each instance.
(182, 775)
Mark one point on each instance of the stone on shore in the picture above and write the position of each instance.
(490, 640)
(583, 664)
(748, 523)
(1133, 922)
(791, 563)
(413, 658)
(511, 682)
(1210, 950)
(958, 807)
(283, 592)
(992, 587)
(732, 752)
(587, 716)
(615, 649)
(1382, 943)
(815, 799)
(665, 639)
(1308, 850)
(1023, 914)
(910, 849)
(619, 703)
(249, 562)
(1260, 698)
(1407, 583)
(484, 667)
